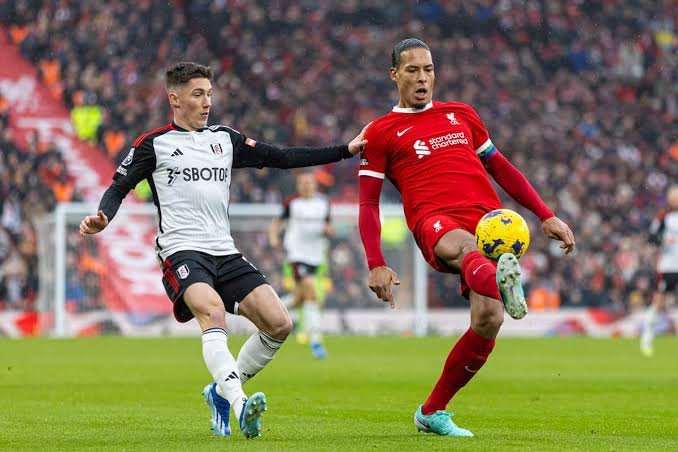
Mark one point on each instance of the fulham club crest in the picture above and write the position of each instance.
(216, 148)
(183, 271)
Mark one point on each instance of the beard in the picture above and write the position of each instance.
(419, 105)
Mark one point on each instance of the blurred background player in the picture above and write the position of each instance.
(438, 155)
(307, 224)
(189, 167)
(664, 233)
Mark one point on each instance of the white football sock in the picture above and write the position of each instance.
(222, 366)
(258, 350)
(312, 321)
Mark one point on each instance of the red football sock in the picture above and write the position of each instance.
(466, 358)
(480, 274)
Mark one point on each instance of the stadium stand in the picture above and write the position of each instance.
(31, 181)
(579, 95)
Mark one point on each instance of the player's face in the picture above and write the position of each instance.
(191, 103)
(414, 78)
(306, 185)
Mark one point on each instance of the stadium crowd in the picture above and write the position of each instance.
(32, 181)
(581, 96)
(23, 197)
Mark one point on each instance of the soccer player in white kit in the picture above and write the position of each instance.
(664, 233)
(307, 224)
(188, 166)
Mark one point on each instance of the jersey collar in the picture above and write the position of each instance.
(398, 109)
(181, 129)
(177, 127)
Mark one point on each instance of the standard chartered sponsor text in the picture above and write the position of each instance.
(448, 140)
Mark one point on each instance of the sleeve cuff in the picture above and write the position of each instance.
(345, 154)
(543, 216)
(376, 262)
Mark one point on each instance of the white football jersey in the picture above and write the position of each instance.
(189, 174)
(305, 239)
(665, 230)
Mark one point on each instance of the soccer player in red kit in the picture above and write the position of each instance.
(438, 155)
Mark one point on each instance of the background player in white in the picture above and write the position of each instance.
(306, 220)
(663, 232)
(188, 167)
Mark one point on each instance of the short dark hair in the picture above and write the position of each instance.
(405, 44)
(182, 72)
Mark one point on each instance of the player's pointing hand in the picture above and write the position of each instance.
(356, 145)
(92, 224)
(556, 229)
(380, 280)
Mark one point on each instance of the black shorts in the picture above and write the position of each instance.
(231, 276)
(302, 270)
(667, 282)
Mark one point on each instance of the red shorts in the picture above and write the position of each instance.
(430, 229)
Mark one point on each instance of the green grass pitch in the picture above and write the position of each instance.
(115, 393)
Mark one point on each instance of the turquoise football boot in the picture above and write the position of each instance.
(510, 287)
(250, 418)
(439, 423)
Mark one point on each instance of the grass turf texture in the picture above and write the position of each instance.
(534, 394)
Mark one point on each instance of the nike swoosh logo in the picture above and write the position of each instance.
(476, 270)
(400, 133)
(470, 370)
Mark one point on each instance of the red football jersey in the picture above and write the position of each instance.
(433, 157)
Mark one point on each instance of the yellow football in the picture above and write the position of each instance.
(502, 231)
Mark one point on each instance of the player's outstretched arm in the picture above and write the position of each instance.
(519, 188)
(516, 185)
(260, 155)
(93, 224)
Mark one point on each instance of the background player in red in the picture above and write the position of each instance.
(438, 155)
